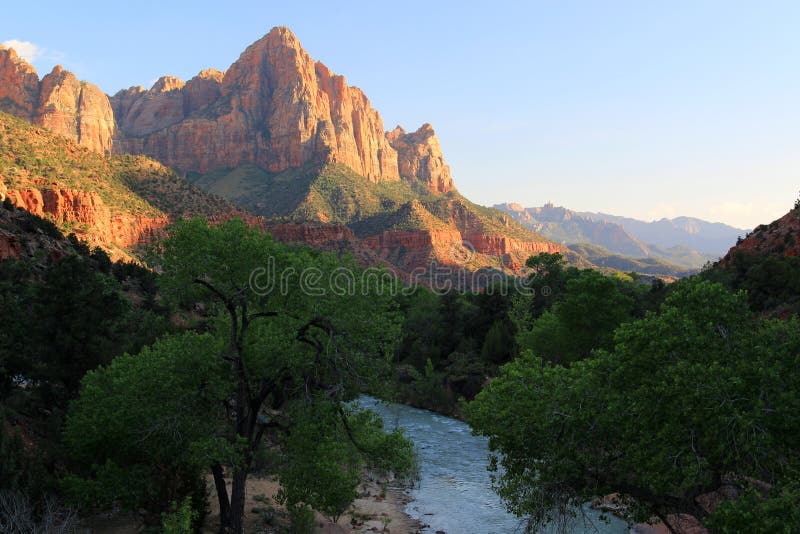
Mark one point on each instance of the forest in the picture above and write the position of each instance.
(125, 387)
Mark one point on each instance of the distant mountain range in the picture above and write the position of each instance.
(679, 245)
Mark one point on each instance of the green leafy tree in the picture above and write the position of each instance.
(146, 427)
(593, 306)
(294, 324)
(694, 398)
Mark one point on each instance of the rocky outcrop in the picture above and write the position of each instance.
(76, 110)
(141, 112)
(19, 85)
(275, 107)
(89, 214)
(779, 238)
(202, 90)
(420, 158)
(278, 109)
(60, 102)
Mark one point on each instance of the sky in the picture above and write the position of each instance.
(636, 108)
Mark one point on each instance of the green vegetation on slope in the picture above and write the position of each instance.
(604, 258)
(334, 193)
(34, 157)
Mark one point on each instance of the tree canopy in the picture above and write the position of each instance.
(694, 398)
(290, 336)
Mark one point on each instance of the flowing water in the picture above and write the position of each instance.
(454, 492)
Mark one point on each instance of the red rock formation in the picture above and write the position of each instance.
(274, 107)
(780, 237)
(500, 245)
(141, 112)
(87, 210)
(420, 158)
(202, 90)
(19, 85)
(61, 103)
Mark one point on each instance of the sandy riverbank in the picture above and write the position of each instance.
(371, 512)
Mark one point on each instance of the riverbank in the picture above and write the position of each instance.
(375, 510)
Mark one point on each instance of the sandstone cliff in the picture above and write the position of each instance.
(276, 108)
(88, 215)
(420, 158)
(60, 102)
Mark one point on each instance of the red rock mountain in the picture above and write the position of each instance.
(265, 133)
(59, 102)
(276, 108)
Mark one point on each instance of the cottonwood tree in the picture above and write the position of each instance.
(698, 397)
(297, 331)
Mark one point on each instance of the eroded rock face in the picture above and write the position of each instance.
(139, 112)
(274, 107)
(60, 102)
(19, 85)
(420, 158)
(779, 238)
(75, 109)
(86, 209)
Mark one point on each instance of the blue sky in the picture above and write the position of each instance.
(637, 108)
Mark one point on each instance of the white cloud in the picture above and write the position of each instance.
(25, 49)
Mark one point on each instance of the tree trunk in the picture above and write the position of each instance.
(238, 500)
(222, 497)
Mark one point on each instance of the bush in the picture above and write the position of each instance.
(181, 520)
(303, 520)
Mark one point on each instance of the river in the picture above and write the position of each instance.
(454, 492)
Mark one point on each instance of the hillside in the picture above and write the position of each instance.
(766, 263)
(606, 259)
(113, 202)
(781, 237)
(403, 222)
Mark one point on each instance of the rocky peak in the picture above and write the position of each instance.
(420, 158)
(75, 109)
(166, 84)
(19, 84)
(275, 107)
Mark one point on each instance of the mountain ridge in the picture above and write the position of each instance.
(280, 134)
(612, 232)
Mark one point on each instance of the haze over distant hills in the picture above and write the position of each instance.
(683, 242)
